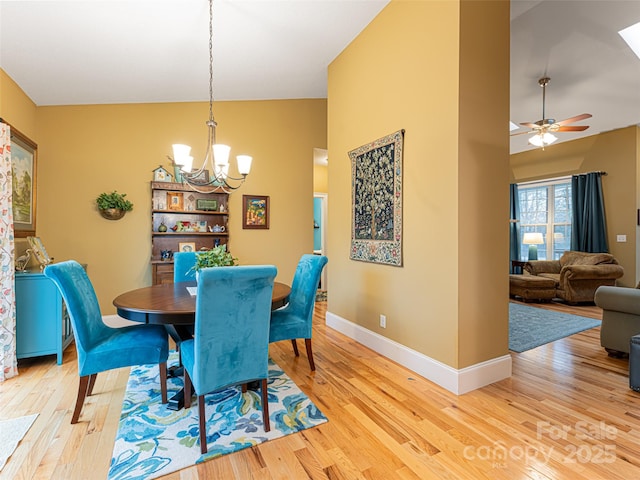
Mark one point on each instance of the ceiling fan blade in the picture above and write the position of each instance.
(521, 133)
(530, 125)
(572, 128)
(577, 118)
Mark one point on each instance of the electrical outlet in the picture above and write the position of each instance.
(383, 321)
(621, 238)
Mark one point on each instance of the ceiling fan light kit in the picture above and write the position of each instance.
(542, 129)
(542, 139)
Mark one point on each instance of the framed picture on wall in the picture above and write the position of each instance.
(24, 156)
(255, 212)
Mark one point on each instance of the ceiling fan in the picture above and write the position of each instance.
(542, 129)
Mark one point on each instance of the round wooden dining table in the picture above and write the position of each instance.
(173, 304)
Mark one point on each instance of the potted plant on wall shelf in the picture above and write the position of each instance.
(114, 205)
(216, 257)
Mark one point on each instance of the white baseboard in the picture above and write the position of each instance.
(456, 381)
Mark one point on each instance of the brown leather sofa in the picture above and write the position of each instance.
(578, 274)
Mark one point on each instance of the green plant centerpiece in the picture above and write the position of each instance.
(114, 205)
(216, 257)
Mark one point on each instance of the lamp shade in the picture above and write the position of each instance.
(542, 139)
(244, 164)
(181, 153)
(221, 154)
(533, 238)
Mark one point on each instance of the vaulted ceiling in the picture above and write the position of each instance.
(116, 51)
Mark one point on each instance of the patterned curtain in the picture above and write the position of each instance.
(589, 226)
(8, 360)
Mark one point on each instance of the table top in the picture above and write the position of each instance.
(171, 303)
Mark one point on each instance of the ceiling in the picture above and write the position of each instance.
(137, 51)
(592, 70)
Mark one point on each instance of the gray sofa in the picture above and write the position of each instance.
(620, 317)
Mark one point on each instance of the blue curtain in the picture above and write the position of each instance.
(589, 227)
(514, 225)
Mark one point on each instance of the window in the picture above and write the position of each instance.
(545, 207)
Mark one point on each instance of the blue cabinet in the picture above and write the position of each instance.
(42, 322)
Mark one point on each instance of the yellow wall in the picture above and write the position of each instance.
(17, 108)
(405, 71)
(615, 152)
(19, 111)
(320, 179)
(86, 150)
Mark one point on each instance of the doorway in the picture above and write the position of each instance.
(320, 202)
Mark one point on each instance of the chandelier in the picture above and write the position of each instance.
(214, 171)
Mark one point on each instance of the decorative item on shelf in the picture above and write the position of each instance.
(217, 229)
(114, 205)
(186, 247)
(162, 227)
(175, 201)
(206, 205)
(222, 208)
(202, 226)
(217, 155)
(166, 255)
(161, 175)
(37, 248)
(23, 260)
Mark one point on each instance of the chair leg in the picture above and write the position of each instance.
(92, 382)
(203, 425)
(265, 405)
(163, 381)
(83, 387)
(295, 347)
(307, 342)
(187, 388)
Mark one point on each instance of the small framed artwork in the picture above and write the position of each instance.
(200, 178)
(255, 212)
(206, 204)
(175, 201)
(202, 226)
(24, 155)
(186, 247)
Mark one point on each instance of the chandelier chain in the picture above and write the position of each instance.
(211, 59)
(218, 180)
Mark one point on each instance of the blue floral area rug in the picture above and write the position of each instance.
(153, 441)
(530, 327)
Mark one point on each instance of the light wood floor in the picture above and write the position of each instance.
(566, 413)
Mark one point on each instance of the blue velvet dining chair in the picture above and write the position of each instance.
(100, 347)
(231, 335)
(295, 319)
(183, 263)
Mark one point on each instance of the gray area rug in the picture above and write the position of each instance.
(530, 327)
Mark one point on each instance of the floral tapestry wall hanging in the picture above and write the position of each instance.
(376, 199)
